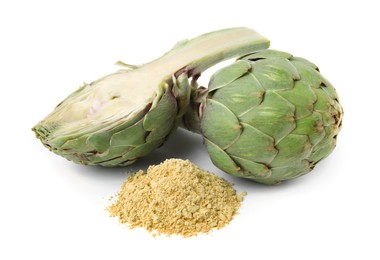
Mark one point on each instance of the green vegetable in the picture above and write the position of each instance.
(126, 115)
(269, 117)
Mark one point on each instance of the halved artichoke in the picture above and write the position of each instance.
(123, 116)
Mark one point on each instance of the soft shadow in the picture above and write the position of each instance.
(186, 145)
(247, 184)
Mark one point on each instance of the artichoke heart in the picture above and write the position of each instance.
(111, 121)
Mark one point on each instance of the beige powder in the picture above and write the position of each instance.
(176, 197)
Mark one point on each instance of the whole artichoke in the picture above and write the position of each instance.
(123, 116)
(269, 117)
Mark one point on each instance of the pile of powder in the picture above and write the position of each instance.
(176, 197)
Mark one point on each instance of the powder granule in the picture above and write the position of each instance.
(176, 197)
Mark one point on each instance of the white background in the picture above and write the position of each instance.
(54, 209)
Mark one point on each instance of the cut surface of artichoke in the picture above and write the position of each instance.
(129, 91)
(125, 115)
(119, 96)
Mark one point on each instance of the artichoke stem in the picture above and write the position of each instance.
(192, 118)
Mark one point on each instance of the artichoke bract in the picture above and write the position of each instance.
(121, 117)
(269, 117)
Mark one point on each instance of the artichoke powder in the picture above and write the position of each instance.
(176, 197)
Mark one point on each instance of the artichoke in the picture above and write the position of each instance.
(268, 117)
(123, 116)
